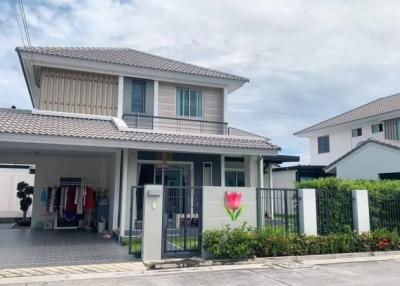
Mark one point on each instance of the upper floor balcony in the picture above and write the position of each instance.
(175, 124)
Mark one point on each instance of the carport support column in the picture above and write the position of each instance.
(124, 193)
(152, 223)
(361, 211)
(307, 212)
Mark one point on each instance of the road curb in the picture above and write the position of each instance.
(306, 259)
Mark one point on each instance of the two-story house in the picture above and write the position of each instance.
(110, 119)
(360, 143)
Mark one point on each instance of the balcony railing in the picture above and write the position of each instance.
(177, 124)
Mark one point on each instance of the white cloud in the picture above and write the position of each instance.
(306, 60)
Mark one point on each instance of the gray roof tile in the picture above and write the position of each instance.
(130, 57)
(379, 106)
(25, 122)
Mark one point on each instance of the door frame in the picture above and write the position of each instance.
(155, 162)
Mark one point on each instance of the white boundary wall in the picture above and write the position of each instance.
(214, 215)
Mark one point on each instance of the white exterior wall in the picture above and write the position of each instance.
(368, 162)
(9, 178)
(284, 179)
(340, 141)
(214, 214)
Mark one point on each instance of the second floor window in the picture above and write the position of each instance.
(356, 132)
(323, 144)
(189, 102)
(376, 128)
(138, 94)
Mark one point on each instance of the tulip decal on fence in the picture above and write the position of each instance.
(233, 205)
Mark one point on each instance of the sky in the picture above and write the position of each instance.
(306, 60)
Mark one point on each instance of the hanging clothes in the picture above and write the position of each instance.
(89, 198)
(70, 200)
(79, 199)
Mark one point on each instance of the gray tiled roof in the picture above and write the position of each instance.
(379, 106)
(25, 122)
(130, 57)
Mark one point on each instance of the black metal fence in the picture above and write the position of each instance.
(278, 208)
(334, 211)
(384, 210)
(182, 224)
(135, 221)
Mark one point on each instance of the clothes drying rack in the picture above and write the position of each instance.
(75, 184)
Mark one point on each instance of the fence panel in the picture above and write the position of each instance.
(334, 211)
(135, 221)
(384, 210)
(278, 208)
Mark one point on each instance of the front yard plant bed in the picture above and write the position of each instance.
(246, 242)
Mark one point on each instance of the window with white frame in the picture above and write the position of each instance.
(189, 102)
(234, 172)
(323, 144)
(376, 128)
(138, 96)
(356, 132)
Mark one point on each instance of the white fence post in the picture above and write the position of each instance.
(307, 212)
(360, 211)
(152, 223)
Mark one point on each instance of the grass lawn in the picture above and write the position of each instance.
(136, 244)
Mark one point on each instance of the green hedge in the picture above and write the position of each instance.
(384, 198)
(244, 242)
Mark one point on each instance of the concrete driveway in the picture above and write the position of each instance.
(29, 248)
(361, 273)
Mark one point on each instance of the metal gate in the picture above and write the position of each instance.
(181, 225)
(278, 208)
(135, 221)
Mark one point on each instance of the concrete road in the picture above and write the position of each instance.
(362, 273)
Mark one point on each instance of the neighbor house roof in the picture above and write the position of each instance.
(377, 107)
(13, 121)
(387, 143)
(130, 57)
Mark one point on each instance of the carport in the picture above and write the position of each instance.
(42, 244)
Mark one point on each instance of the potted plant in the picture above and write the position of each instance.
(24, 193)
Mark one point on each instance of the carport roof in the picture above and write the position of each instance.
(15, 121)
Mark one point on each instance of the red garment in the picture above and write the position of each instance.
(70, 206)
(89, 199)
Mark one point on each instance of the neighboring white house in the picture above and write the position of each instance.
(333, 138)
(10, 176)
(372, 159)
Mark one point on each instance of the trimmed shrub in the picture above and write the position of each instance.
(245, 242)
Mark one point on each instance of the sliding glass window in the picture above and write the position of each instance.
(189, 102)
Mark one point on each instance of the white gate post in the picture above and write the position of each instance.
(307, 212)
(152, 223)
(360, 211)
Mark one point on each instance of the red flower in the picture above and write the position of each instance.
(232, 200)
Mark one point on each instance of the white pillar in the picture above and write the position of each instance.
(155, 104)
(114, 224)
(307, 212)
(152, 223)
(120, 104)
(261, 172)
(270, 177)
(222, 170)
(124, 193)
(131, 181)
(251, 171)
(225, 105)
(361, 211)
